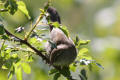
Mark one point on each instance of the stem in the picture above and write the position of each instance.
(40, 17)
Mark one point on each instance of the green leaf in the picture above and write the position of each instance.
(30, 58)
(33, 40)
(8, 50)
(42, 10)
(19, 73)
(78, 42)
(73, 67)
(11, 73)
(82, 51)
(56, 24)
(5, 37)
(7, 54)
(14, 56)
(83, 54)
(52, 71)
(56, 76)
(26, 68)
(22, 7)
(4, 67)
(65, 30)
(11, 6)
(1, 29)
(84, 42)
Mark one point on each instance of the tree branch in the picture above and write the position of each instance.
(29, 45)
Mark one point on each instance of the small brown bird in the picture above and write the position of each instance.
(60, 48)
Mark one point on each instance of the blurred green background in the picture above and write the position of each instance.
(96, 20)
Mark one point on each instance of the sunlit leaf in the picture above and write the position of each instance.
(56, 24)
(8, 50)
(4, 67)
(30, 58)
(26, 68)
(65, 30)
(84, 42)
(22, 7)
(19, 73)
(42, 10)
(14, 55)
(73, 67)
(82, 51)
(33, 40)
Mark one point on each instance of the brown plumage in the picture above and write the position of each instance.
(65, 51)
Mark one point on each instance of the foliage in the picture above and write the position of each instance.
(62, 27)
(10, 6)
(17, 58)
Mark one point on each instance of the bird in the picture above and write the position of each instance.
(60, 48)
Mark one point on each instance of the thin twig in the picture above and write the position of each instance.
(40, 17)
